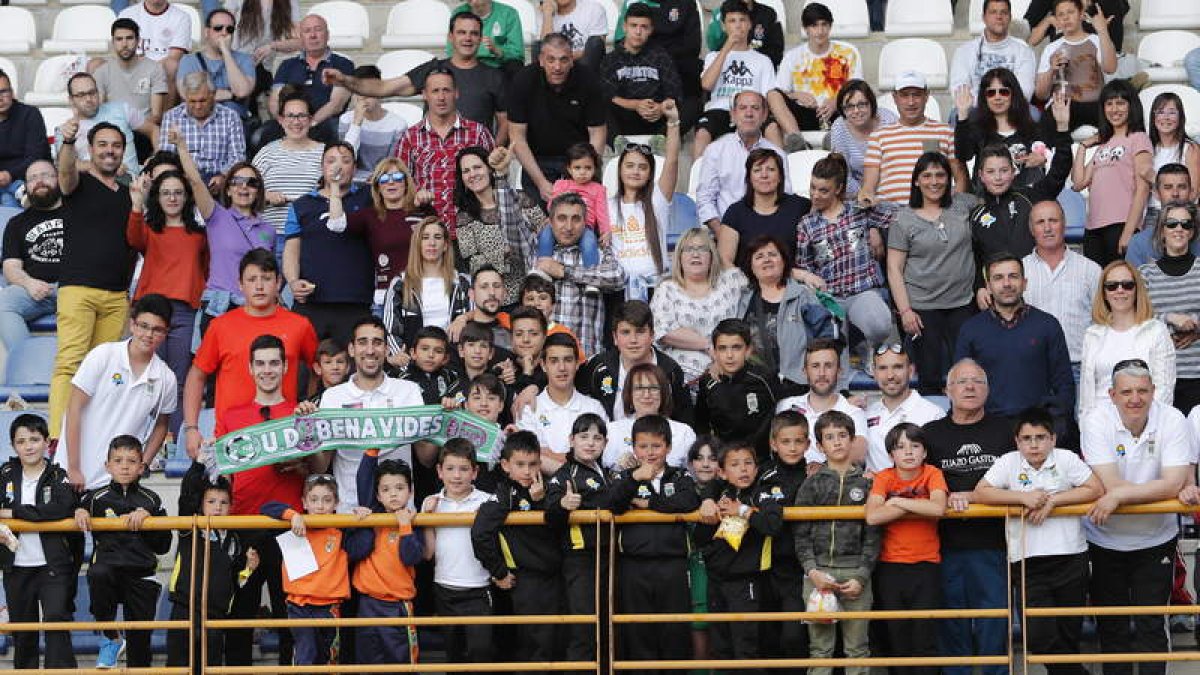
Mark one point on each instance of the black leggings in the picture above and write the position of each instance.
(933, 350)
(1100, 244)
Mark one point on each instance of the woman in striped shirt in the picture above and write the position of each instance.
(1172, 281)
(290, 166)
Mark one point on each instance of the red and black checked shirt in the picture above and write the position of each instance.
(431, 159)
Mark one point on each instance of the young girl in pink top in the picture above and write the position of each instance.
(583, 167)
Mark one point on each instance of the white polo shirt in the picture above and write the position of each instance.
(801, 405)
(1165, 442)
(120, 404)
(392, 393)
(1063, 470)
(915, 409)
(552, 422)
(620, 441)
(454, 561)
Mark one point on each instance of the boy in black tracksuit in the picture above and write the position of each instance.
(736, 573)
(582, 484)
(124, 563)
(522, 559)
(785, 470)
(428, 367)
(652, 566)
(737, 405)
(33, 489)
(229, 565)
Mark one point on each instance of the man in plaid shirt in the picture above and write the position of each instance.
(582, 312)
(430, 148)
(214, 133)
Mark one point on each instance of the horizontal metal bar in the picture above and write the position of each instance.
(558, 666)
(998, 613)
(882, 661)
(404, 621)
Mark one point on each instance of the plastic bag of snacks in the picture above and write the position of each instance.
(732, 529)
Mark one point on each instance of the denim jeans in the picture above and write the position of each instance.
(1191, 63)
(974, 579)
(8, 194)
(17, 308)
(176, 350)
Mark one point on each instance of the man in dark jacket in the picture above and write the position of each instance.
(22, 140)
(603, 376)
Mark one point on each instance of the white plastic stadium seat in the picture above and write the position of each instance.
(933, 110)
(780, 11)
(611, 12)
(20, 30)
(349, 24)
(918, 54)
(800, 166)
(1163, 52)
(14, 75)
(399, 62)
(417, 24)
(52, 117)
(411, 113)
(528, 15)
(918, 17)
(1019, 25)
(197, 22)
(1169, 14)
(694, 177)
(80, 29)
(50, 81)
(1189, 96)
(28, 2)
(850, 18)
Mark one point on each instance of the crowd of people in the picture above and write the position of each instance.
(328, 255)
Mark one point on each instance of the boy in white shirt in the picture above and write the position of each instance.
(461, 584)
(735, 68)
(811, 75)
(1040, 477)
(554, 410)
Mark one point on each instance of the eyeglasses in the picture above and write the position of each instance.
(861, 105)
(265, 412)
(153, 330)
(1166, 112)
(695, 250)
(895, 348)
(392, 177)
(1173, 223)
(1127, 284)
(247, 181)
(1129, 364)
(1003, 92)
(85, 94)
(296, 116)
(941, 232)
(319, 479)
(646, 388)
(227, 28)
(171, 194)
(6, 92)
(963, 381)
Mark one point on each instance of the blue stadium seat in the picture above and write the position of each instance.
(30, 365)
(46, 324)
(683, 218)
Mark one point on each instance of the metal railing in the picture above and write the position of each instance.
(605, 522)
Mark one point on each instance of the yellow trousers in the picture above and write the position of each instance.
(86, 317)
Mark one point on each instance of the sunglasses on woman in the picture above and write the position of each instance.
(1127, 284)
(1173, 223)
(246, 181)
(1003, 92)
(391, 177)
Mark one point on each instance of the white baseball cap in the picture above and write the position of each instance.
(911, 79)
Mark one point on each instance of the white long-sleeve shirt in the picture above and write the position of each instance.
(723, 174)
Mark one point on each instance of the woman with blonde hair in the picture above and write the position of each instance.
(387, 225)
(427, 292)
(1171, 282)
(1123, 327)
(697, 296)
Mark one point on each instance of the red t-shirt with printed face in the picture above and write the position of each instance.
(254, 487)
(225, 351)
